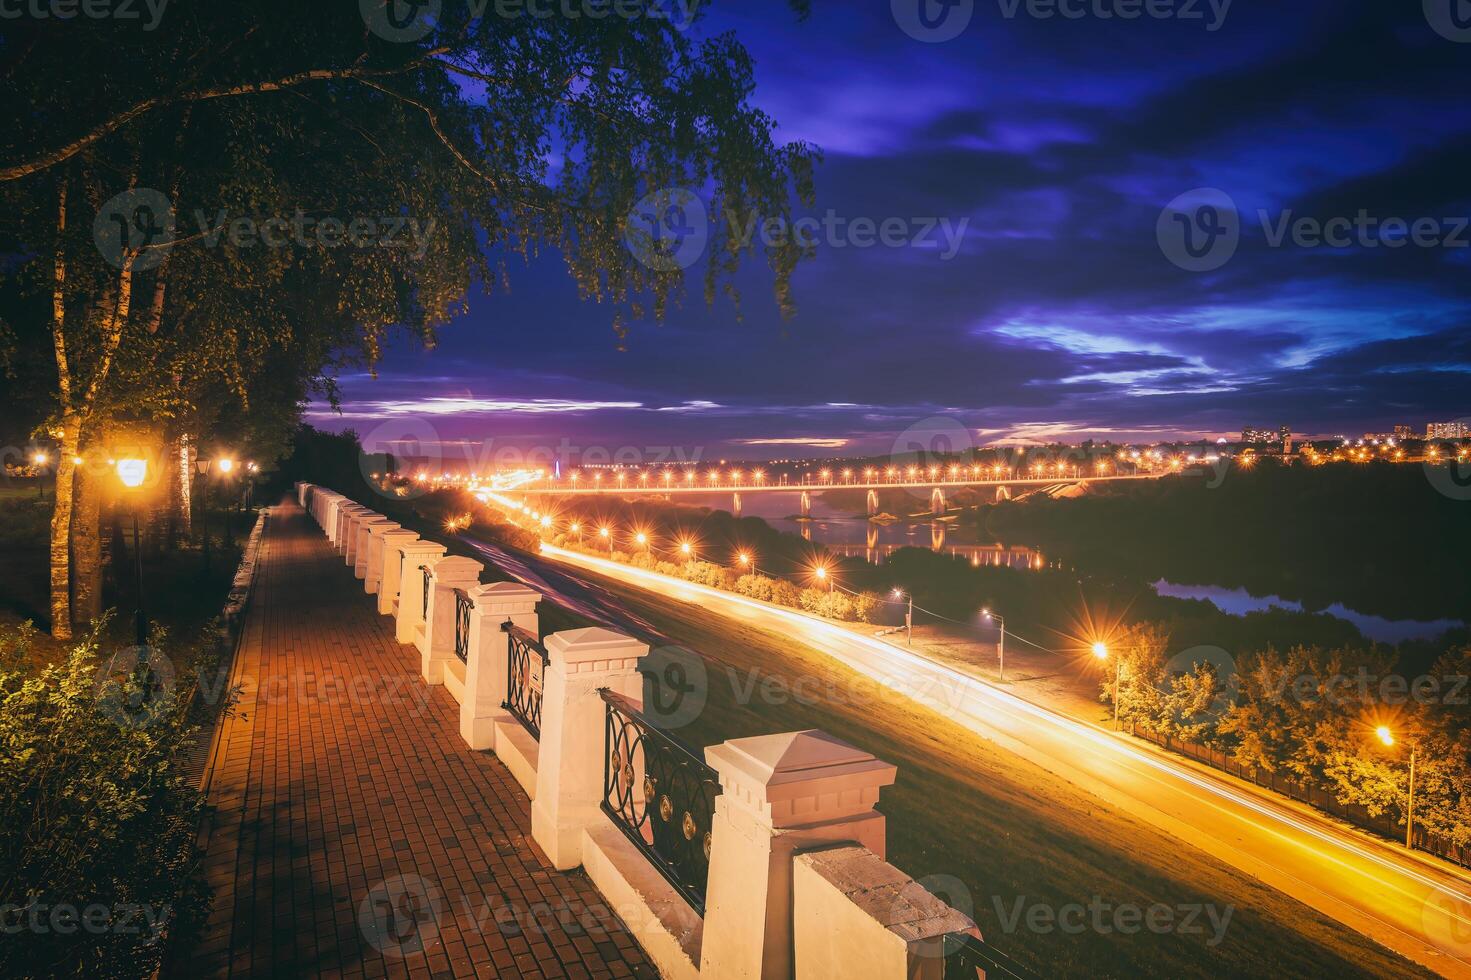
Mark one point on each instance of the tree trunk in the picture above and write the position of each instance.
(61, 523)
(87, 548)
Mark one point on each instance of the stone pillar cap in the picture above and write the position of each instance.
(382, 527)
(424, 546)
(457, 566)
(770, 768)
(505, 591)
(593, 644)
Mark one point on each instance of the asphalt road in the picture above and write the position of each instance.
(1415, 905)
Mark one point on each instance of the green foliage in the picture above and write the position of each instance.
(98, 815)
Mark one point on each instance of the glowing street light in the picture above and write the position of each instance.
(133, 473)
(908, 617)
(1000, 622)
(1387, 737)
(746, 562)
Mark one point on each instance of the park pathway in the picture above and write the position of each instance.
(353, 832)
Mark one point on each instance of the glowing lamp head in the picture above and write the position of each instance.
(575, 528)
(684, 546)
(132, 472)
(1385, 735)
(226, 465)
(641, 538)
(76, 461)
(1100, 650)
(602, 532)
(897, 593)
(820, 572)
(743, 558)
(546, 521)
(40, 459)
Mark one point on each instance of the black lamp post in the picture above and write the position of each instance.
(133, 473)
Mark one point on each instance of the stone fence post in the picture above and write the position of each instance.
(485, 670)
(392, 569)
(450, 573)
(569, 771)
(779, 794)
(410, 619)
(368, 540)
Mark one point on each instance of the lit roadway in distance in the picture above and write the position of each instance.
(1412, 904)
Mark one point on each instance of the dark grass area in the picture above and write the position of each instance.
(184, 593)
(1006, 829)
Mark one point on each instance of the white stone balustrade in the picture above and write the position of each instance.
(489, 657)
(569, 774)
(391, 567)
(438, 641)
(858, 917)
(347, 516)
(798, 886)
(408, 625)
(779, 794)
(376, 524)
(354, 534)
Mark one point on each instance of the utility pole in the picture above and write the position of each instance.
(909, 623)
(1410, 809)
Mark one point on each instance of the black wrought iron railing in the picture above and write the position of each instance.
(661, 795)
(428, 584)
(525, 669)
(463, 605)
(972, 958)
(401, 558)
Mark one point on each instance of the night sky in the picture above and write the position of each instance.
(1062, 315)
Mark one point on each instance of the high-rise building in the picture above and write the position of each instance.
(1446, 430)
(1404, 432)
(1279, 435)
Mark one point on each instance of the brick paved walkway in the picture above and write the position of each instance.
(344, 792)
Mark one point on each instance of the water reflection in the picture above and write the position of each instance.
(979, 555)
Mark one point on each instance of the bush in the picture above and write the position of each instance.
(866, 606)
(98, 813)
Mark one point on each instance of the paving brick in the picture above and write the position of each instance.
(342, 776)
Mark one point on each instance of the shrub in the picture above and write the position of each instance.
(97, 812)
(866, 606)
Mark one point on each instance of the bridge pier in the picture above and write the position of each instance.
(736, 504)
(1003, 493)
(873, 503)
(806, 504)
(937, 502)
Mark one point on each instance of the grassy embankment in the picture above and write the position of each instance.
(1006, 828)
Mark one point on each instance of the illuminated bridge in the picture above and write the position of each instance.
(620, 485)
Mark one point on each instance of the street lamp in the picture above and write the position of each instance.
(820, 573)
(1000, 622)
(1100, 650)
(1387, 738)
(39, 460)
(607, 535)
(132, 473)
(908, 617)
(745, 560)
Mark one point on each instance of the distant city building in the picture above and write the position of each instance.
(1446, 430)
(1404, 432)
(1282, 435)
